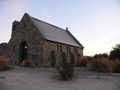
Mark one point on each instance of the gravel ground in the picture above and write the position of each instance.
(46, 79)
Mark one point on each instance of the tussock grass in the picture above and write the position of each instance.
(4, 63)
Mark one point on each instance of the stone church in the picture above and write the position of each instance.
(43, 43)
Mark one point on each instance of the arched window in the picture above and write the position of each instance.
(68, 50)
(72, 58)
(59, 48)
(53, 58)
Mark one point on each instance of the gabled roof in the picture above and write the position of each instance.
(56, 34)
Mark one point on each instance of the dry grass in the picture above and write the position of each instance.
(105, 65)
(116, 66)
(4, 63)
(101, 65)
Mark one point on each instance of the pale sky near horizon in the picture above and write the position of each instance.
(95, 23)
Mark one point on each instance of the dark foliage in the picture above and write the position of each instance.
(65, 69)
(115, 53)
(104, 55)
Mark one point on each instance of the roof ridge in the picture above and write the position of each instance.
(48, 23)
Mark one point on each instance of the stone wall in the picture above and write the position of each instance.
(58, 48)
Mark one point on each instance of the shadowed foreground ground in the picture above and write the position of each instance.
(46, 79)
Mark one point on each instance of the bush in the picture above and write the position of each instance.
(83, 62)
(104, 55)
(4, 64)
(116, 66)
(101, 65)
(65, 69)
(105, 65)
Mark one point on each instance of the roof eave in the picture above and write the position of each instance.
(63, 43)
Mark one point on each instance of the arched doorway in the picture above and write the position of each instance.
(23, 51)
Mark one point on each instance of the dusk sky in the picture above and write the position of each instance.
(95, 23)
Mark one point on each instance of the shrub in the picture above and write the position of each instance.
(116, 66)
(101, 65)
(65, 69)
(104, 55)
(83, 62)
(4, 64)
